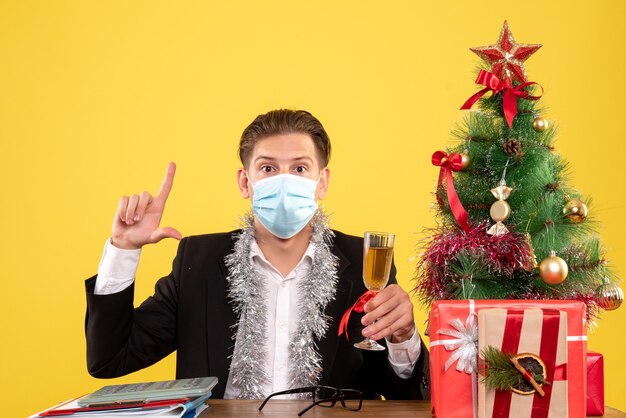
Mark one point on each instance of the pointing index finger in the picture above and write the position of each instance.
(168, 181)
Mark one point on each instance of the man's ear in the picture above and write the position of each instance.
(243, 183)
(322, 186)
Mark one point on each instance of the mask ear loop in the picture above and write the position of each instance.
(248, 178)
(323, 205)
(246, 174)
(319, 178)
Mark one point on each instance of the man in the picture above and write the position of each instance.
(259, 307)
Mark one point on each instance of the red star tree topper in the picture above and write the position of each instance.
(507, 57)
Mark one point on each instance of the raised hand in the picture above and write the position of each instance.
(389, 314)
(138, 217)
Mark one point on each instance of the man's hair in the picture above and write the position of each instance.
(285, 121)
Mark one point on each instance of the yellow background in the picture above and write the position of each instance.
(96, 98)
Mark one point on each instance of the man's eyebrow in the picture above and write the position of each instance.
(267, 158)
(304, 157)
(263, 157)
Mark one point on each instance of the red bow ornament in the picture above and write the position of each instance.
(509, 93)
(357, 307)
(448, 164)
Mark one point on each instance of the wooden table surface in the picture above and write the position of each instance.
(289, 408)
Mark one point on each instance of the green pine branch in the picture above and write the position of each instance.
(499, 373)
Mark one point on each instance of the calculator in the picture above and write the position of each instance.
(149, 391)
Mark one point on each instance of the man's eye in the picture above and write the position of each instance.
(300, 169)
(266, 169)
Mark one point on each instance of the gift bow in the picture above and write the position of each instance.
(509, 95)
(448, 164)
(465, 344)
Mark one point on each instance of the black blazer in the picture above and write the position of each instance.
(190, 312)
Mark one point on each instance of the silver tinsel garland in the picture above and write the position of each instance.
(249, 295)
(316, 290)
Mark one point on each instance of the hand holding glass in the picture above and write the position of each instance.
(377, 256)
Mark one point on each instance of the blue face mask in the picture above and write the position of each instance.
(284, 203)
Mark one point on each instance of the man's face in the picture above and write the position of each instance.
(293, 153)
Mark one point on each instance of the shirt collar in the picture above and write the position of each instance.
(255, 251)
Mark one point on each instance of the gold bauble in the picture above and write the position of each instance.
(500, 211)
(540, 124)
(609, 295)
(575, 210)
(465, 160)
(553, 269)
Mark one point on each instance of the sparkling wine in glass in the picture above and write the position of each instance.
(377, 256)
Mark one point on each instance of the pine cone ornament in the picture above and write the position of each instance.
(512, 147)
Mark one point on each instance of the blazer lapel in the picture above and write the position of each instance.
(335, 309)
(220, 323)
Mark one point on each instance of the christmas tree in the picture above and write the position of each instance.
(510, 225)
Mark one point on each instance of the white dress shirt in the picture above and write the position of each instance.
(117, 271)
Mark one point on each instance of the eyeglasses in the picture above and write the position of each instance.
(325, 396)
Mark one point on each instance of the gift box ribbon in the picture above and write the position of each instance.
(465, 349)
(464, 344)
(547, 352)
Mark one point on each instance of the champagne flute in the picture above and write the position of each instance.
(377, 256)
